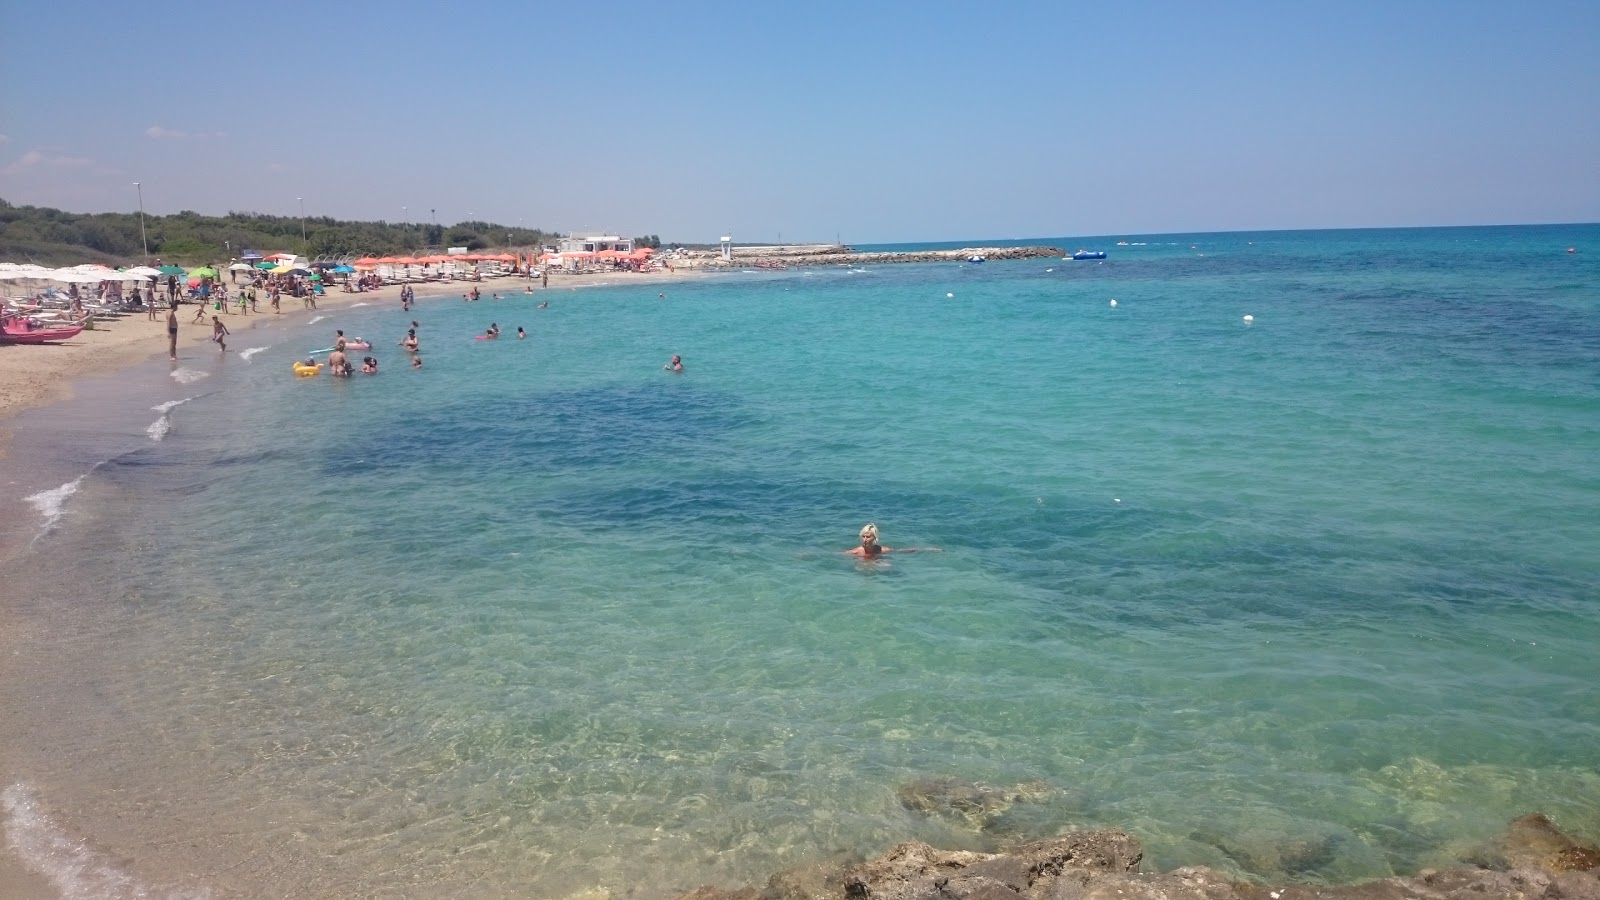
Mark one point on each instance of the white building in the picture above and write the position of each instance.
(595, 243)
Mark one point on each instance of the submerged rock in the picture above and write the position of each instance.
(1534, 842)
(1100, 865)
(916, 871)
(976, 805)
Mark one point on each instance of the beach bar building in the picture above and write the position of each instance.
(578, 242)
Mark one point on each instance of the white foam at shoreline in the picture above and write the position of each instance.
(71, 867)
(159, 428)
(170, 405)
(188, 376)
(362, 303)
(53, 502)
(250, 351)
(316, 319)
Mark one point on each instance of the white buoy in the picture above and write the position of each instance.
(949, 295)
(1249, 319)
(1116, 499)
(1113, 301)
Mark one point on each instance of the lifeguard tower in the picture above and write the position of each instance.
(727, 248)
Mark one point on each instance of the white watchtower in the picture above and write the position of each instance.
(727, 247)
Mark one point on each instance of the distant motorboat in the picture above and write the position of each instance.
(975, 258)
(1089, 254)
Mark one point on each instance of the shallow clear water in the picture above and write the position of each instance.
(543, 618)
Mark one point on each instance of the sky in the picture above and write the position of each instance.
(861, 121)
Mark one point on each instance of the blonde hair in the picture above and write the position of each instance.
(869, 531)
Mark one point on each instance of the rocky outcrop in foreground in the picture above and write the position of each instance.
(1534, 860)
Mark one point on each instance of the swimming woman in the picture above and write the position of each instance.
(871, 549)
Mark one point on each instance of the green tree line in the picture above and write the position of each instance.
(53, 237)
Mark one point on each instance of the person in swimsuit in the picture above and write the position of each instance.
(871, 549)
(338, 364)
(493, 332)
(219, 333)
(369, 366)
(520, 333)
(172, 331)
(410, 341)
(676, 365)
(416, 362)
(338, 339)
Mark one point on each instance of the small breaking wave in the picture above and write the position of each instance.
(354, 305)
(187, 375)
(71, 867)
(170, 405)
(52, 503)
(248, 352)
(316, 319)
(159, 428)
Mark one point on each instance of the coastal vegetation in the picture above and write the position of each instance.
(55, 237)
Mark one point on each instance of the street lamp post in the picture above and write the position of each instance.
(142, 237)
(305, 245)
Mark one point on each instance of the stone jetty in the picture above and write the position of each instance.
(785, 256)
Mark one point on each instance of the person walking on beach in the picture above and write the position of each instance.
(219, 333)
(172, 332)
(871, 549)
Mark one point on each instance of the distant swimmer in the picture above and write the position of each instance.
(871, 549)
(493, 332)
(676, 365)
(410, 341)
(520, 333)
(369, 365)
(544, 305)
(416, 362)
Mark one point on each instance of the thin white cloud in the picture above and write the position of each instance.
(158, 133)
(35, 159)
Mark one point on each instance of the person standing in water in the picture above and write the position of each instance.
(676, 365)
(219, 333)
(172, 331)
(871, 549)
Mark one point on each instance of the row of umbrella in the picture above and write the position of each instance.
(431, 260)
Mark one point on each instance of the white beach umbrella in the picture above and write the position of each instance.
(14, 272)
(145, 271)
(241, 267)
(74, 276)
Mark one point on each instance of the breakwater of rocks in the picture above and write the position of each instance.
(785, 257)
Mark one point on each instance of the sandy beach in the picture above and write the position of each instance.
(33, 376)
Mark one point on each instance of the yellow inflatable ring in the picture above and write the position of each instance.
(305, 371)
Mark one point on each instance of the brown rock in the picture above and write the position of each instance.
(1534, 842)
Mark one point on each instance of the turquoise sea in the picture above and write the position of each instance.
(1314, 596)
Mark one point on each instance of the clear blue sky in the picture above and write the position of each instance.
(872, 121)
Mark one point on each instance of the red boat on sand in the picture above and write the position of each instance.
(20, 330)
